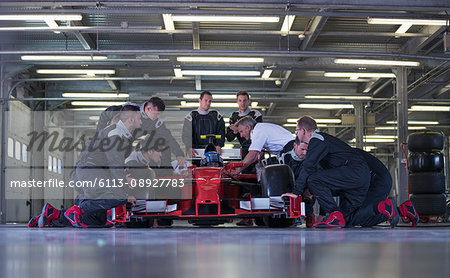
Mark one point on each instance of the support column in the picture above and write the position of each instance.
(3, 153)
(359, 124)
(401, 89)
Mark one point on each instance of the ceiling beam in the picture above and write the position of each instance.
(288, 77)
(416, 44)
(85, 39)
(317, 25)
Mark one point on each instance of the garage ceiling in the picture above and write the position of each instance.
(132, 38)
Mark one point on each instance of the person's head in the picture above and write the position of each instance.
(300, 148)
(131, 117)
(245, 126)
(154, 107)
(243, 100)
(306, 125)
(149, 150)
(205, 100)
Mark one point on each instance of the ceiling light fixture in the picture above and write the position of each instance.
(94, 95)
(376, 62)
(429, 108)
(325, 106)
(168, 22)
(401, 21)
(395, 128)
(75, 71)
(221, 72)
(221, 59)
(254, 104)
(266, 74)
(403, 28)
(287, 23)
(215, 96)
(96, 103)
(415, 122)
(375, 140)
(178, 73)
(356, 75)
(43, 17)
(338, 97)
(62, 58)
(319, 121)
(214, 104)
(218, 18)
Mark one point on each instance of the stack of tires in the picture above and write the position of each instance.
(426, 175)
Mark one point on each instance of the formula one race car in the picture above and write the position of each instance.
(213, 195)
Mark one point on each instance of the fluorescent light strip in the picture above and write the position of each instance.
(74, 71)
(395, 128)
(88, 109)
(319, 121)
(380, 136)
(376, 62)
(220, 59)
(94, 118)
(52, 24)
(400, 21)
(430, 108)
(214, 104)
(375, 140)
(212, 18)
(95, 95)
(220, 73)
(254, 104)
(168, 22)
(325, 106)
(338, 97)
(403, 28)
(287, 23)
(215, 96)
(355, 75)
(43, 17)
(178, 73)
(62, 58)
(96, 103)
(415, 122)
(266, 74)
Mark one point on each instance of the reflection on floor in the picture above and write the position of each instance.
(185, 251)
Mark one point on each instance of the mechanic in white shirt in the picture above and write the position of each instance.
(267, 136)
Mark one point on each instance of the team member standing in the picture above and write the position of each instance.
(203, 121)
(343, 171)
(243, 100)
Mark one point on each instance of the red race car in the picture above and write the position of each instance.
(212, 195)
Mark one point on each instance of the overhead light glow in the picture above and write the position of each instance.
(356, 75)
(395, 128)
(338, 97)
(62, 58)
(266, 74)
(415, 122)
(94, 118)
(325, 106)
(432, 108)
(75, 71)
(319, 121)
(96, 103)
(43, 17)
(177, 72)
(218, 18)
(168, 22)
(221, 59)
(403, 28)
(254, 104)
(401, 21)
(376, 62)
(214, 104)
(287, 23)
(375, 140)
(215, 96)
(220, 72)
(95, 95)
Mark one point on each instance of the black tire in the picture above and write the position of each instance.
(139, 223)
(429, 204)
(259, 222)
(426, 183)
(165, 222)
(276, 180)
(274, 222)
(426, 162)
(425, 141)
(206, 223)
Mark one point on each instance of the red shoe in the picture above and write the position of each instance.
(389, 208)
(334, 220)
(407, 210)
(310, 221)
(74, 216)
(245, 222)
(33, 221)
(48, 215)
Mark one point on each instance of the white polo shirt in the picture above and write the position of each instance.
(271, 137)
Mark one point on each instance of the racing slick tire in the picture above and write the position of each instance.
(429, 204)
(425, 141)
(259, 221)
(426, 183)
(426, 162)
(276, 180)
(274, 222)
(139, 223)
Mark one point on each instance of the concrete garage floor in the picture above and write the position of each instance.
(230, 251)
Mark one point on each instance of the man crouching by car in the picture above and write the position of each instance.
(101, 165)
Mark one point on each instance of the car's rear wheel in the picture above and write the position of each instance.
(277, 180)
(274, 222)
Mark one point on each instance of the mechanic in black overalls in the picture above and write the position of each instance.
(203, 122)
(376, 207)
(294, 159)
(102, 164)
(344, 172)
(151, 123)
